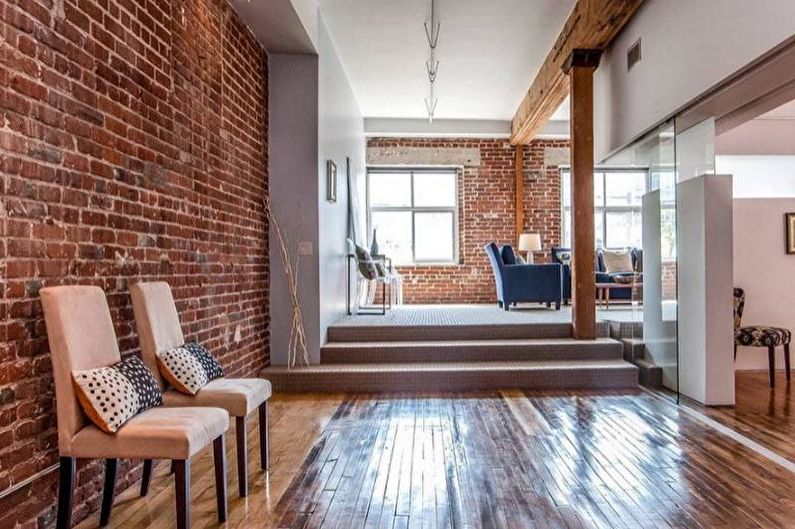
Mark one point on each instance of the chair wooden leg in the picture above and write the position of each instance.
(66, 488)
(786, 362)
(264, 452)
(219, 458)
(242, 456)
(182, 485)
(146, 477)
(108, 491)
(173, 467)
(735, 352)
(771, 358)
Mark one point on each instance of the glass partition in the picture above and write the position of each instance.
(652, 340)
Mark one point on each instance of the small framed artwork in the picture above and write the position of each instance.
(331, 181)
(790, 228)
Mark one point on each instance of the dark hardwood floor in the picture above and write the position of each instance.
(531, 460)
(488, 460)
(761, 413)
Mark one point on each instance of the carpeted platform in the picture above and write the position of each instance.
(461, 347)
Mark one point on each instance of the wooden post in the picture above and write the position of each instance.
(519, 184)
(580, 67)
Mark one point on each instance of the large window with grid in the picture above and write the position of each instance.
(618, 196)
(414, 213)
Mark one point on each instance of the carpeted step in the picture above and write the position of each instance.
(469, 351)
(406, 333)
(455, 376)
(649, 374)
(634, 349)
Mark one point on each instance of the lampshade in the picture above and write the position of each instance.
(530, 242)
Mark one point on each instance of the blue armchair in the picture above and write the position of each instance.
(523, 282)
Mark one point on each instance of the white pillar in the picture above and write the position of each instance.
(706, 317)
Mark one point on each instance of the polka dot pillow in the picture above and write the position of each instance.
(189, 368)
(111, 396)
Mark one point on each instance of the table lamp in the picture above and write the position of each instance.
(529, 243)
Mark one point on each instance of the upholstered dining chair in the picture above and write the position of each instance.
(82, 337)
(759, 336)
(159, 330)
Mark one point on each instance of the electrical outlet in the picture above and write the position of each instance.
(305, 248)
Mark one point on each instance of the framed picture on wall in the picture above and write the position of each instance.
(331, 181)
(789, 219)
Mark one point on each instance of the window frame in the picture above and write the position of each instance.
(600, 209)
(453, 210)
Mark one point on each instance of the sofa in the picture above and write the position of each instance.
(562, 256)
(519, 282)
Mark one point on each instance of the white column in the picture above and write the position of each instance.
(706, 317)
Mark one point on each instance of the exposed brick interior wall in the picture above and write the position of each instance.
(486, 213)
(133, 146)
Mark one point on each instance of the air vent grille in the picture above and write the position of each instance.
(633, 55)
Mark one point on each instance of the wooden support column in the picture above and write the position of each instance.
(519, 184)
(580, 67)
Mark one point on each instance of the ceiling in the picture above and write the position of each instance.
(772, 133)
(785, 111)
(489, 52)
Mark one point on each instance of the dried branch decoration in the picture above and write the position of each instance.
(297, 332)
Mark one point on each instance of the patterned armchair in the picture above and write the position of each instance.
(759, 336)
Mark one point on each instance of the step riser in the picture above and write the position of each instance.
(469, 353)
(454, 332)
(455, 381)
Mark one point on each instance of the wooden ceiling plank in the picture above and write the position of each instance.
(592, 24)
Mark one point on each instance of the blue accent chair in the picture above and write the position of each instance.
(517, 282)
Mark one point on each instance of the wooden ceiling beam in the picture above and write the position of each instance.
(592, 24)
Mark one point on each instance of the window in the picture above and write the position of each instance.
(415, 213)
(618, 196)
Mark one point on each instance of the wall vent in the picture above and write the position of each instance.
(633, 55)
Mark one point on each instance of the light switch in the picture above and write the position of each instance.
(305, 248)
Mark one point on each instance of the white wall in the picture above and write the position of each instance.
(762, 176)
(706, 337)
(292, 166)
(688, 47)
(764, 270)
(341, 134)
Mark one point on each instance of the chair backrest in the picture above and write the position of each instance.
(508, 255)
(81, 335)
(158, 322)
(497, 266)
(739, 307)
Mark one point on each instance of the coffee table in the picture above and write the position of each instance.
(603, 291)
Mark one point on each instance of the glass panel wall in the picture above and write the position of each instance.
(652, 227)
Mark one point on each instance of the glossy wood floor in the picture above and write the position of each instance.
(501, 459)
(763, 414)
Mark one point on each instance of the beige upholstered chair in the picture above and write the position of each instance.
(159, 330)
(82, 337)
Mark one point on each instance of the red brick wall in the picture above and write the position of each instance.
(486, 213)
(133, 141)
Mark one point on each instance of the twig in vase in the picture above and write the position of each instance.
(297, 342)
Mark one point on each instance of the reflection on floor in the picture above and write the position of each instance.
(480, 460)
(762, 414)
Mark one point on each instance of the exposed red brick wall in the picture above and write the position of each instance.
(133, 146)
(669, 280)
(486, 213)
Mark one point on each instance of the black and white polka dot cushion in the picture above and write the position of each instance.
(189, 367)
(111, 396)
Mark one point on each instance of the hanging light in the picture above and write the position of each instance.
(432, 31)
